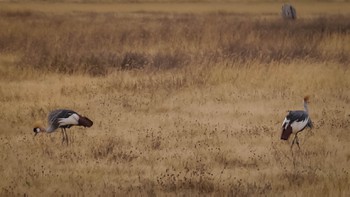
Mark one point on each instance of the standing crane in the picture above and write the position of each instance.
(288, 11)
(295, 122)
(64, 119)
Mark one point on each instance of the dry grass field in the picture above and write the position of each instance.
(184, 103)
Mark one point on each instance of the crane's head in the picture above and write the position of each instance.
(38, 127)
(307, 99)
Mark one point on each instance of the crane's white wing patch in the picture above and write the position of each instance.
(71, 120)
(297, 126)
(285, 123)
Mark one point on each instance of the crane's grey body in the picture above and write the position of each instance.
(55, 116)
(298, 116)
(63, 118)
(297, 120)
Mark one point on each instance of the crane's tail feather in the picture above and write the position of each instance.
(286, 132)
(84, 121)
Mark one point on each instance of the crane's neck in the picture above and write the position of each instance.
(43, 129)
(306, 107)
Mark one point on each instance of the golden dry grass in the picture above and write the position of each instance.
(304, 8)
(202, 116)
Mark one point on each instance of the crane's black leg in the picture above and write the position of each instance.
(66, 136)
(63, 136)
(293, 142)
(297, 140)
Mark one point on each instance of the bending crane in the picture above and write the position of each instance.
(64, 119)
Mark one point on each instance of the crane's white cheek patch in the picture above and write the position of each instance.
(37, 130)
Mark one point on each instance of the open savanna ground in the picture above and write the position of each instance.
(304, 8)
(183, 103)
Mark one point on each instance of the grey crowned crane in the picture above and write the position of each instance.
(64, 119)
(295, 122)
(288, 12)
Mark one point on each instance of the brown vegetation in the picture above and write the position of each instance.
(182, 103)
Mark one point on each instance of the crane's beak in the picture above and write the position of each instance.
(35, 134)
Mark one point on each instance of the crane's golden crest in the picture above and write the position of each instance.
(38, 124)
